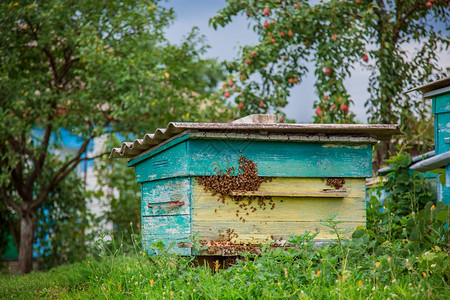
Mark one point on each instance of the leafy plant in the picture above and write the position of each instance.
(401, 193)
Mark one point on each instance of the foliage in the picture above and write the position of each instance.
(120, 193)
(64, 228)
(402, 193)
(346, 269)
(92, 68)
(336, 36)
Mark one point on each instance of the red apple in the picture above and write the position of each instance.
(327, 71)
(226, 94)
(241, 105)
(365, 58)
(266, 11)
(297, 5)
(282, 33)
(429, 4)
(326, 97)
(296, 80)
(332, 107)
(269, 34)
(230, 83)
(334, 37)
(319, 111)
(266, 24)
(291, 80)
(253, 54)
(281, 120)
(285, 58)
(272, 41)
(290, 34)
(344, 108)
(248, 61)
(224, 86)
(261, 104)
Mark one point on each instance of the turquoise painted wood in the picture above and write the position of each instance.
(166, 213)
(200, 157)
(170, 230)
(167, 164)
(441, 109)
(281, 159)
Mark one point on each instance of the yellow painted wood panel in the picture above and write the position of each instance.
(290, 215)
(263, 231)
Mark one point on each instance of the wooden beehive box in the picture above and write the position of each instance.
(306, 172)
(439, 92)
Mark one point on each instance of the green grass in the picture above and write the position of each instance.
(305, 272)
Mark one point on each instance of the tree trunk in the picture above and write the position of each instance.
(26, 241)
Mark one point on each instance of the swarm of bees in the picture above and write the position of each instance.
(245, 180)
(335, 182)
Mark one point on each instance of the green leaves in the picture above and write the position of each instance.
(337, 35)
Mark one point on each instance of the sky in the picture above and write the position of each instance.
(224, 43)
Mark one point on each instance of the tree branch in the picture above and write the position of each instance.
(401, 18)
(62, 172)
(38, 164)
(46, 51)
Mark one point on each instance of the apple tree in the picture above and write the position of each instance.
(332, 38)
(94, 68)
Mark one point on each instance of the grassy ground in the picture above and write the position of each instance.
(305, 272)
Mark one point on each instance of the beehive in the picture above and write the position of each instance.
(307, 172)
(439, 92)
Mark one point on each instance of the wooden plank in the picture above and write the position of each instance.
(159, 148)
(165, 191)
(263, 231)
(282, 159)
(265, 136)
(169, 226)
(319, 194)
(442, 103)
(442, 131)
(170, 244)
(167, 164)
(211, 218)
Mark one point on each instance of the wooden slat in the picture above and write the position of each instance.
(263, 231)
(167, 164)
(320, 194)
(282, 159)
(290, 216)
(163, 192)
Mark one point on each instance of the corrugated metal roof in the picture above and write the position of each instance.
(132, 149)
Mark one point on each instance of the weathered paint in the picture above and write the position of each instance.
(163, 221)
(442, 103)
(175, 228)
(281, 159)
(442, 128)
(290, 216)
(166, 164)
(441, 109)
(159, 148)
(263, 231)
(163, 192)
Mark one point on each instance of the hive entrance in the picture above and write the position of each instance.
(231, 181)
